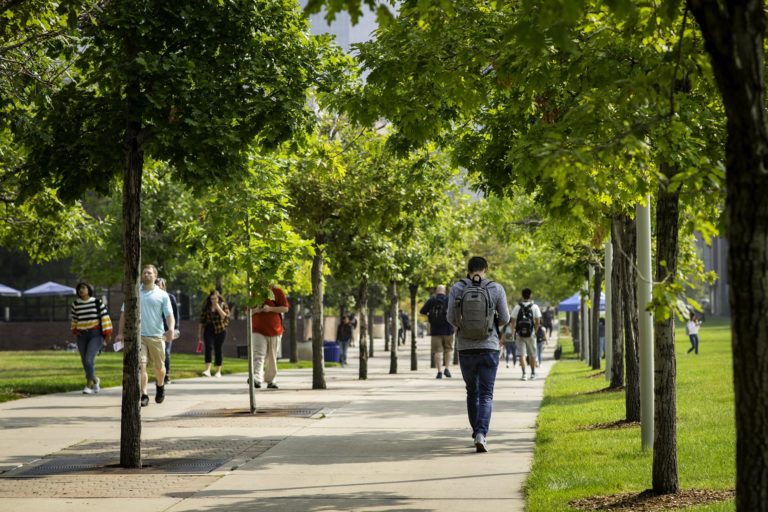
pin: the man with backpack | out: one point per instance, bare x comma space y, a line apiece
526, 318
440, 331
477, 307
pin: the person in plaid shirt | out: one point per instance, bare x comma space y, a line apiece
213, 330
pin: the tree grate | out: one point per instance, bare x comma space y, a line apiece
244, 413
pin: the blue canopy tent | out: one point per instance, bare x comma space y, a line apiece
7, 291
49, 289
573, 303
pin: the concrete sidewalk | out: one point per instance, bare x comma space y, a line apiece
393, 442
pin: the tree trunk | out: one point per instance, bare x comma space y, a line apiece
371, 319
293, 322
594, 353
628, 259
393, 312
734, 35
318, 363
414, 288
387, 329
130, 424
665, 479
617, 333
362, 301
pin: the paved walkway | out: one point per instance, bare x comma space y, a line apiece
393, 442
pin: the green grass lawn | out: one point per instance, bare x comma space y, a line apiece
571, 462
27, 373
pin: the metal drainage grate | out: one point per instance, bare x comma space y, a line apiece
244, 413
65, 465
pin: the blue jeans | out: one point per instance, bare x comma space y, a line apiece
479, 372
344, 348
511, 347
694, 343
539, 350
88, 344
168, 358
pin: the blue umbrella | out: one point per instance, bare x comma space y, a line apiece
50, 289
7, 291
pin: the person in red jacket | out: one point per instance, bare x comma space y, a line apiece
267, 330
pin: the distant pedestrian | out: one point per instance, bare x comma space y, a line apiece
548, 320
176, 332
477, 307
440, 331
267, 330
344, 338
526, 318
93, 328
154, 305
541, 340
692, 330
601, 337
212, 330
510, 344
405, 325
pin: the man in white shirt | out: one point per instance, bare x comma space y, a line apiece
525, 320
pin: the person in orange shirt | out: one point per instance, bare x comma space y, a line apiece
267, 331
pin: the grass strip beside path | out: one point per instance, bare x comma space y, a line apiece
39, 372
573, 459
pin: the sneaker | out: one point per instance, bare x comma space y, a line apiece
481, 445
447, 373
97, 385
160, 395
207, 373
218, 375
533, 376
166, 380
507, 365
144, 400
523, 377
272, 385
439, 375
88, 391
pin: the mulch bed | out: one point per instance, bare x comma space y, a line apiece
648, 501
612, 425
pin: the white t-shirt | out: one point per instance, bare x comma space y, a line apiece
535, 310
692, 327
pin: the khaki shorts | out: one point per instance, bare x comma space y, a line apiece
442, 343
152, 353
526, 346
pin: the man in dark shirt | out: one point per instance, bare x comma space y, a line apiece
440, 331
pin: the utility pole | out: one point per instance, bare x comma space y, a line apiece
645, 324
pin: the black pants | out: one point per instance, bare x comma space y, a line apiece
213, 342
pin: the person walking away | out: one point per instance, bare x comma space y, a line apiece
440, 331
548, 319
154, 304
692, 330
212, 330
405, 325
344, 338
267, 330
601, 337
93, 328
176, 332
477, 308
526, 318
541, 340
510, 344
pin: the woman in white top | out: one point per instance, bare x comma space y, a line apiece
692, 330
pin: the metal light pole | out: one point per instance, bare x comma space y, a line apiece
644, 293
608, 315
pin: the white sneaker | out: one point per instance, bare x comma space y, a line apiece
523, 377
207, 373
533, 376
88, 391
218, 375
481, 445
